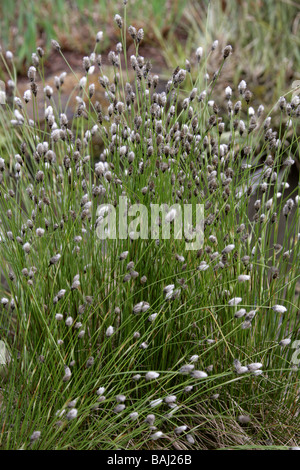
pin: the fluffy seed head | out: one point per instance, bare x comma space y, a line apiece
151, 375
243, 419
35, 436
72, 414
110, 331
285, 342
26, 247
55, 45
119, 21
235, 301
157, 435
279, 309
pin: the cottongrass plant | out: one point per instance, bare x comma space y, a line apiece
139, 343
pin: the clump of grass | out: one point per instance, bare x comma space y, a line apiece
139, 343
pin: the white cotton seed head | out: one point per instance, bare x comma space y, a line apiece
203, 266
285, 342
157, 435
26, 247
72, 414
151, 375
228, 249
186, 369
243, 419
198, 374
215, 396
67, 375
110, 331
169, 288
170, 216
199, 53
234, 301
69, 321
35, 436
170, 399
228, 92
156, 402
246, 325
180, 429
190, 439
214, 45
254, 366
194, 358
152, 317
40, 232
136, 377
242, 86
240, 313
54, 259
119, 408
99, 36
244, 278
27, 96
61, 293
150, 419
120, 398
279, 309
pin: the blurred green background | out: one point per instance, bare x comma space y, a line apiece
265, 34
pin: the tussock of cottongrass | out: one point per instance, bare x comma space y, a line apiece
131, 316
